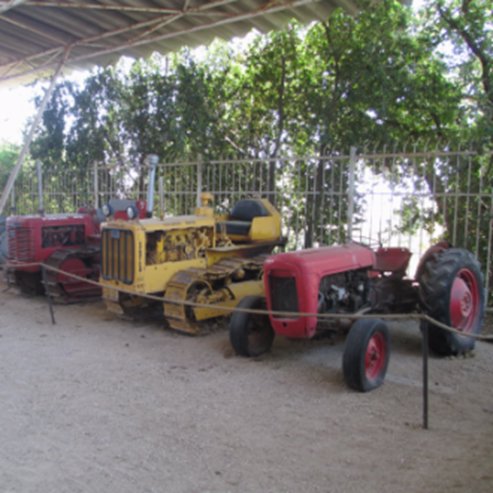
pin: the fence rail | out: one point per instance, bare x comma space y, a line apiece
408, 199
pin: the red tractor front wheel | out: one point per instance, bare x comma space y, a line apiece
366, 354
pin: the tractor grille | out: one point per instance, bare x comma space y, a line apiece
21, 248
283, 294
118, 255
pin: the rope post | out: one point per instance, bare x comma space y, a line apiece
50, 301
425, 351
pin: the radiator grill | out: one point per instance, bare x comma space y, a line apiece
283, 294
118, 254
21, 248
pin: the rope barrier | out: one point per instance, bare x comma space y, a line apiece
334, 316
282, 314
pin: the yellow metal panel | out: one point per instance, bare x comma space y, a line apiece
238, 291
156, 277
265, 228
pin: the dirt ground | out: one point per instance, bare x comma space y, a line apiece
96, 403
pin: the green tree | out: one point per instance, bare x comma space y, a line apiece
376, 77
371, 78
8, 158
462, 31
460, 34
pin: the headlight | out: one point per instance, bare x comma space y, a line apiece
131, 212
107, 210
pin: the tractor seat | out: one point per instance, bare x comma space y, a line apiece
242, 215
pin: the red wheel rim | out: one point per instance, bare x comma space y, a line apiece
375, 356
464, 301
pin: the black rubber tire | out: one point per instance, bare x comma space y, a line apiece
251, 334
435, 288
366, 354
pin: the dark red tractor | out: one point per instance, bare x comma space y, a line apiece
67, 242
354, 279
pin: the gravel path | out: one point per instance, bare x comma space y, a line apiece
96, 403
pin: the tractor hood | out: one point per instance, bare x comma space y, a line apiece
292, 283
326, 260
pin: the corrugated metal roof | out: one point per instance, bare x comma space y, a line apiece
36, 35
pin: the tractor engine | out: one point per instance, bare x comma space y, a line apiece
34, 238
346, 292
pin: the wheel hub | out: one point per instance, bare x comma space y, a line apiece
375, 356
462, 303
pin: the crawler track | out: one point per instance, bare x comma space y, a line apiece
207, 286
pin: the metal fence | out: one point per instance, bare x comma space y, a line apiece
410, 198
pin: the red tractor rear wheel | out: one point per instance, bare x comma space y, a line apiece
366, 354
451, 291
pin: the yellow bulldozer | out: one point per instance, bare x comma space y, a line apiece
202, 258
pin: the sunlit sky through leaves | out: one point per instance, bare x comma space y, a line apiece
17, 105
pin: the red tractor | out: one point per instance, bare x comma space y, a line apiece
354, 279
67, 242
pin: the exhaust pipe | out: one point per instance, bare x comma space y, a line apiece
152, 160
41, 207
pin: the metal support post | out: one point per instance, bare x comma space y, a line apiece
27, 142
424, 339
50, 300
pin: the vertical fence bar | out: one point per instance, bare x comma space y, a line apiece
161, 196
351, 192
467, 202
199, 180
488, 255
41, 207
331, 182
96, 184
456, 203
478, 213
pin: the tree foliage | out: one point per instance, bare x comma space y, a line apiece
378, 77
8, 158
463, 31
